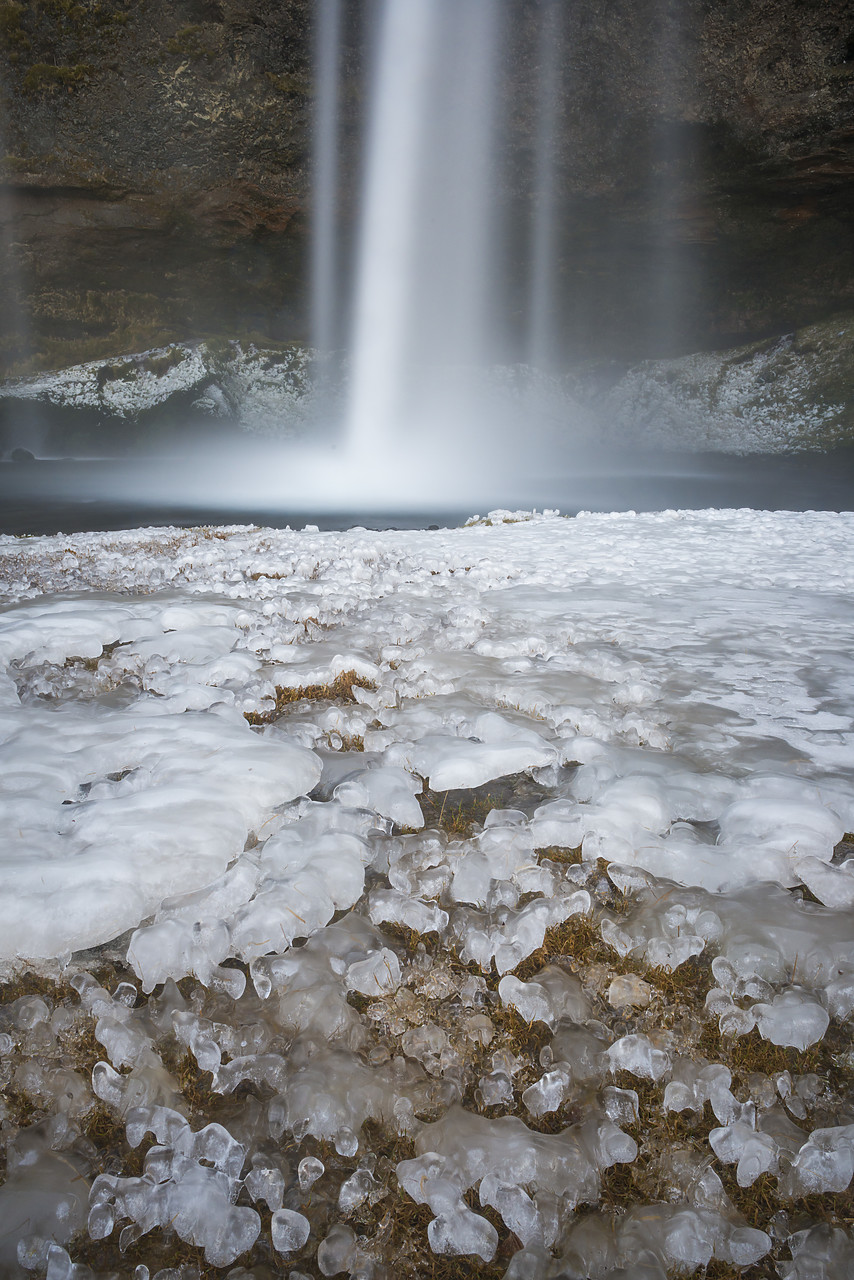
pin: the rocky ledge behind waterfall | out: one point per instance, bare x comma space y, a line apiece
783, 394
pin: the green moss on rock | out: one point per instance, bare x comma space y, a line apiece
13, 37
45, 76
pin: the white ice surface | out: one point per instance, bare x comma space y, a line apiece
104, 812
696, 664
680, 687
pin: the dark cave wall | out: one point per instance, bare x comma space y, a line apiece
156, 180
706, 168
156, 171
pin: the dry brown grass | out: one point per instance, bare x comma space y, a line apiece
404, 1235
750, 1053
457, 812
339, 690
195, 1085
106, 1131
157, 1250
564, 857
29, 983
577, 940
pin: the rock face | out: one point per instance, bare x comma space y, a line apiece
708, 193
156, 171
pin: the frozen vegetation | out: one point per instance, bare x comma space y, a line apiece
468, 902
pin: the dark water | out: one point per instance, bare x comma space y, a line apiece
73, 496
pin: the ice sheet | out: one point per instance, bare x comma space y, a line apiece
669, 693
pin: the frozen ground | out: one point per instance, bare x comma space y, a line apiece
477, 900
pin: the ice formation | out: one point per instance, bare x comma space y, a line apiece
446, 873
189, 1182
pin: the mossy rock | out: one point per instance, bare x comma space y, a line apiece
46, 77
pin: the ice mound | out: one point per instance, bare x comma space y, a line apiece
329, 1094
791, 1018
824, 1163
393, 907
189, 1182
761, 936
662, 1237
639, 1056
316, 860
514, 934
189, 653
51, 630
122, 810
551, 995
309, 986
529, 1178
693, 1083
580, 1051
823, 1251
651, 823
833, 886
628, 991
321, 663
754, 1152
42, 1199
290, 1230
386, 791
495, 748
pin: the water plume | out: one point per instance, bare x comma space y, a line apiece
420, 312
324, 248
541, 287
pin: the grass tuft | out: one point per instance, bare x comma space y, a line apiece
339, 690
457, 812
47, 77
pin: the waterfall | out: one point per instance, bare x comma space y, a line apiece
541, 286
427, 409
421, 309
670, 156
324, 249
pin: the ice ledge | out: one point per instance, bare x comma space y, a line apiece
259, 387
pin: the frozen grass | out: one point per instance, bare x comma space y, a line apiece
395, 1226
338, 690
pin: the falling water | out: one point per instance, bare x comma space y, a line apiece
422, 282
541, 294
669, 158
324, 272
